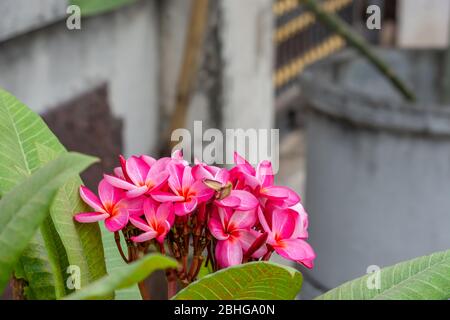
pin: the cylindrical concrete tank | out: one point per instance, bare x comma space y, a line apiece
378, 169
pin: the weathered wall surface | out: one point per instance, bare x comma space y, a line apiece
49, 66
234, 87
248, 55
378, 175
20, 16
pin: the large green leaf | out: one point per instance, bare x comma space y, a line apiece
125, 277
93, 7
21, 131
249, 281
114, 263
80, 240
26, 206
43, 264
26, 143
425, 277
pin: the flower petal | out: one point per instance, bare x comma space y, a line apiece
157, 180
200, 172
201, 191
118, 172
145, 236
140, 224
187, 179
216, 226
247, 200
263, 221
162, 196
184, 208
264, 174
242, 220
228, 252
301, 226
148, 160
134, 205
162, 234
247, 238
223, 176
176, 174
118, 183
243, 164
137, 170
158, 167
164, 212
275, 192
87, 217
137, 192
91, 199
109, 194
229, 202
118, 221
284, 222
297, 250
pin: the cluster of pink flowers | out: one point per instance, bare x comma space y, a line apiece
238, 214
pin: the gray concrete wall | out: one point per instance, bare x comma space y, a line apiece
378, 177
234, 88
20, 16
248, 55
53, 64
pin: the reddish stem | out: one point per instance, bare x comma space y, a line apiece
119, 247
171, 283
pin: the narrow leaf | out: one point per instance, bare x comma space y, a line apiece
249, 281
125, 277
26, 206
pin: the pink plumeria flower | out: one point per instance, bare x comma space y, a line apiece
177, 157
261, 181
286, 230
158, 221
236, 199
186, 193
110, 206
234, 234
140, 175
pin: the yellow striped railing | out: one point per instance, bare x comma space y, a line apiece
294, 26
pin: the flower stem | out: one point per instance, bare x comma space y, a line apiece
119, 247
171, 283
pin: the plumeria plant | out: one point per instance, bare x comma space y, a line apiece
211, 229
223, 216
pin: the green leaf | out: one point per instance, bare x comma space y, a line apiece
205, 270
94, 7
125, 277
42, 265
21, 130
26, 143
114, 263
81, 240
426, 277
26, 206
249, 281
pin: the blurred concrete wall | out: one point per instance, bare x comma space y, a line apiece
234, 87
136, 51
51, 65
